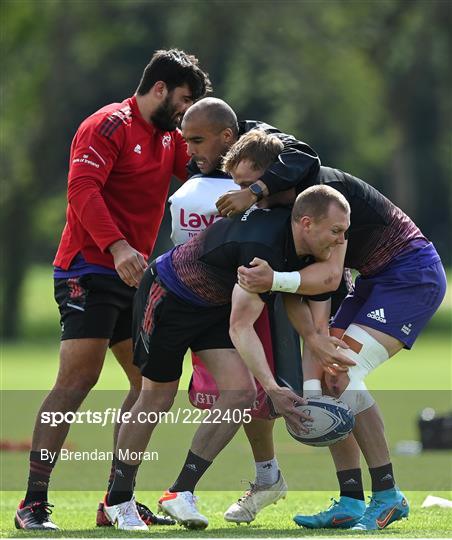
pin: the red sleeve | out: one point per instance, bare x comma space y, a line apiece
181, 157
93, 156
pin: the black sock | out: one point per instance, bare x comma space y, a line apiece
194, 467
112, 473
123, 482
351, 483
38, 478
382, 477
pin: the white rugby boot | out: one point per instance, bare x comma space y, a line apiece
255, 499
181, 506
125, 516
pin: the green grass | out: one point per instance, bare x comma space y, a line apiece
414, 379
75, 515
428, 366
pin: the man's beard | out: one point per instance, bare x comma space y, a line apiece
163, 118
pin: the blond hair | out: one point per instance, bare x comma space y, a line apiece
315, 202
255, 146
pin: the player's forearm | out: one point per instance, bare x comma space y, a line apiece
300, 316
250, 348
312, 370
319, 278
312, 280
93, 214
295, 163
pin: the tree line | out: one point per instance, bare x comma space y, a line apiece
367, 84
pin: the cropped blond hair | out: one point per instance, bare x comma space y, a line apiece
255, 146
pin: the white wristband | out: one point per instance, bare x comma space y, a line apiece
311, 388
286, 282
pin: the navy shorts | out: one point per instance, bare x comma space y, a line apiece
399, 300
95, 306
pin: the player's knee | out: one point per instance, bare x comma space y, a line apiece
239, 399
368, 354
160, 400
136, 384
81, 381
335, 384
133, 395
162, 405
357, 397
249, 396
81, 362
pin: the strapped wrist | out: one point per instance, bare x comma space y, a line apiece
286, 282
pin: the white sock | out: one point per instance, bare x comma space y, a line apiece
267, 472
311, 388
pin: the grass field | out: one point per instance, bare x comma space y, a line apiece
405, 385
76, 515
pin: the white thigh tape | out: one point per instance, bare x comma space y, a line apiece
372, 354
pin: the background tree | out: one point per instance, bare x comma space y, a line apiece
367, 84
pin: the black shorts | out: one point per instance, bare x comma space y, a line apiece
95, 306
165, 327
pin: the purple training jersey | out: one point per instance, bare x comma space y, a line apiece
379, 230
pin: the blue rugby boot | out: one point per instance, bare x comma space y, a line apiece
384, 508
342, 514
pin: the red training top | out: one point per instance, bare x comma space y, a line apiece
119, 174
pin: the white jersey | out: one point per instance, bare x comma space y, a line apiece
193, 206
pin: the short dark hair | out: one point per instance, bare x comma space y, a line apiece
175, 68
315, 202
255, 146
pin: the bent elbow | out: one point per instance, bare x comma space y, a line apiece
234, 331
336, 279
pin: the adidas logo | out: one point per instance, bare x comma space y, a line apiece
192, 467
350, 482
378, 315
137, 149
387, 477
41, 484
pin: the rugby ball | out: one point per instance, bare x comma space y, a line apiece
332, 421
